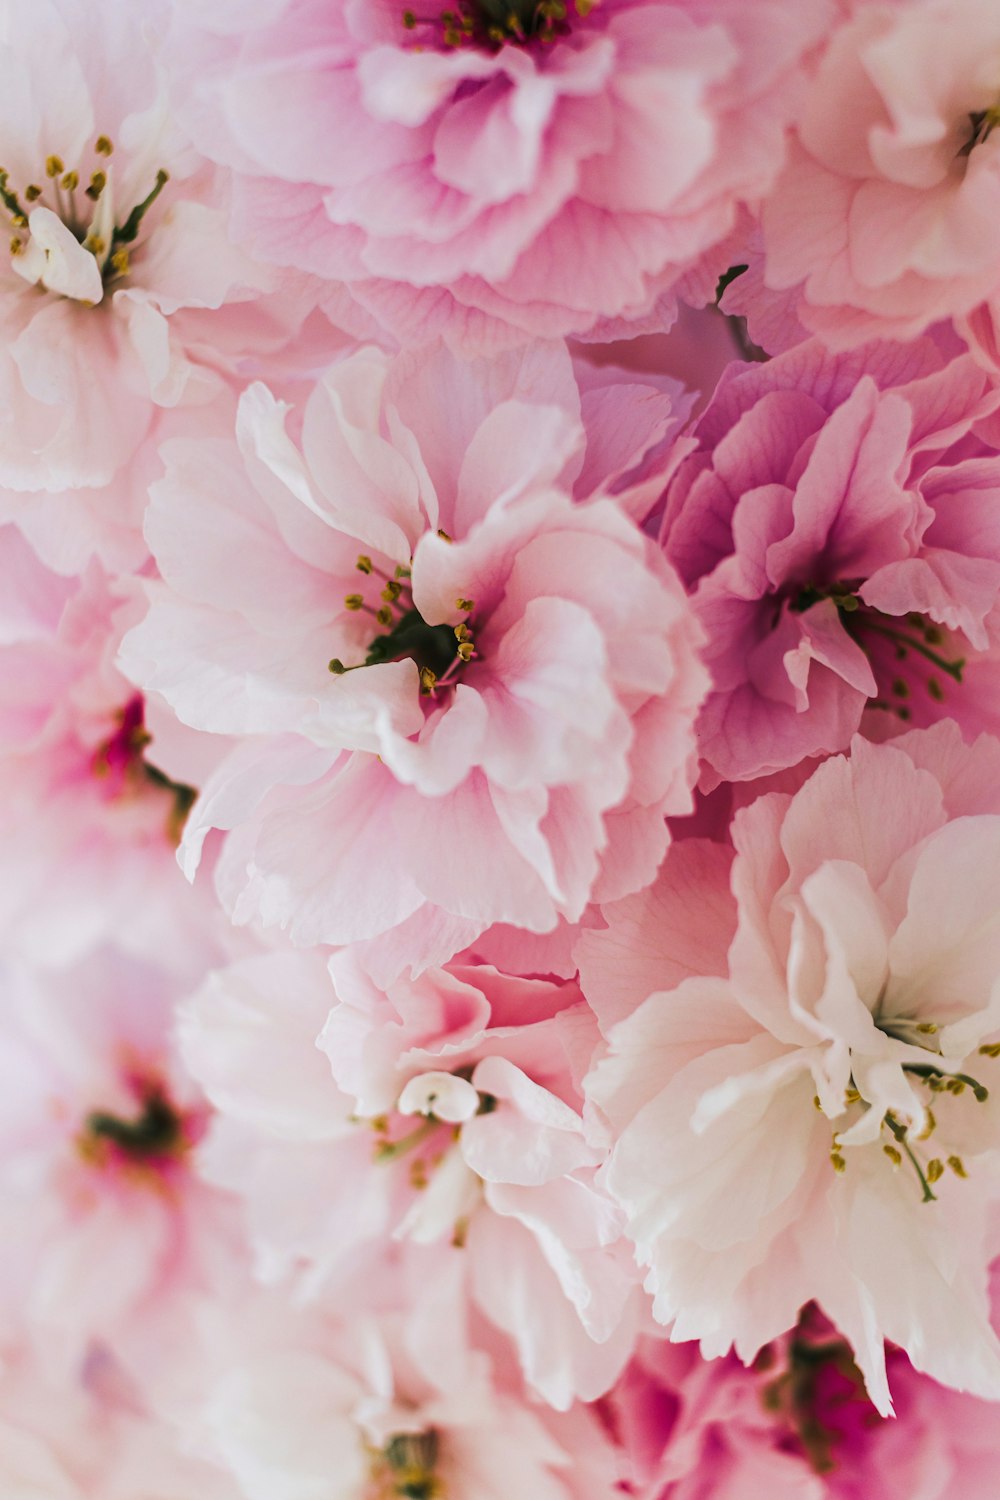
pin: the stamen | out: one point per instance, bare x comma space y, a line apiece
906, 643
899, 1131
953, 1083
392, 1150
128, 231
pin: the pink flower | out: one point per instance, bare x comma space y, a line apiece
106, 1231
696, 1429
835, 524
884, 221
799, 1124
401, 1399
511, 171
452, 1117
90, 1434
437, 655
88, 821
121, 293
938, 1441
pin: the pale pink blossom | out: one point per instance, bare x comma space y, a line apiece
446, 645
799, 1125
507, 172
401, 1399
106, 1231
88, 821
89, 1434
884, 221
835, 524
445, 1113
121, 293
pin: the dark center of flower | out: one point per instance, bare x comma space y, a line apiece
407, 1463
900, 1141
439, 651
496, 23
899, 647
154, 1133
817, 1389
982, 123
121, 763
86, 210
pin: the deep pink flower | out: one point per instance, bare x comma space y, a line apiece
837, 527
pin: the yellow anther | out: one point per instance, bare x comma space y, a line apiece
935, 1169
354, 601
444, 536
428, 680
957, 1166
460, 1234
816, 1103
851, 1096
54, 166
409, 20
364, 563
392, 591
402, 572
894, 1156
465, 650
465, 605
837, 1162
929, 1128
120, 262
32, 192
418, 1174
384, 615
379, 1123
94, 244
103, 146
928, 1028
70, 181
336, 666
955, 1086
98, 182
990, 1049
463, 633
16, 246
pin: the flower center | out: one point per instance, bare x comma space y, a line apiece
156, 1136
404, 1470
439, 651
899, 648
900, 1138
493, 24
982, 123
87, 211
818, 1390
121, 764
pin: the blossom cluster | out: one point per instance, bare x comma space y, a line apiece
500, 743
